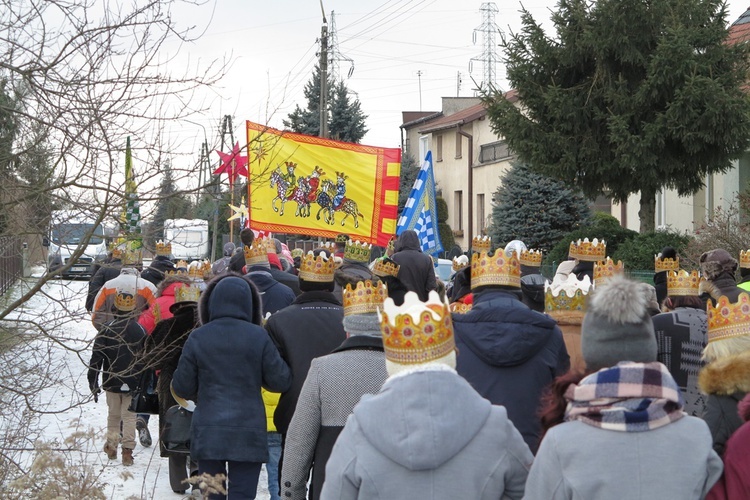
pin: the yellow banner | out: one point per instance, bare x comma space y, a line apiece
300, 184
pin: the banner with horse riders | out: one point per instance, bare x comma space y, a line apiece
302, 184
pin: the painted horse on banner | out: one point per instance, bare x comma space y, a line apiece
282, 189
331, 199
300, 197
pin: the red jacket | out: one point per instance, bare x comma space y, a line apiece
735, 482
159, 310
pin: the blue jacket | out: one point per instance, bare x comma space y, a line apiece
274, 295
223, 365
510, 354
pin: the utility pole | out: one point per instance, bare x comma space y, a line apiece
227, 130
419, 77
335, 54
323, 75
458, 83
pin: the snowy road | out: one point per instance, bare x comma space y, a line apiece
69, 409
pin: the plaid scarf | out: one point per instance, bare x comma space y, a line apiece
628, 397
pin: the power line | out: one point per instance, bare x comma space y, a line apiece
335, 56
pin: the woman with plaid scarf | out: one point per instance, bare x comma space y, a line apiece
620, 431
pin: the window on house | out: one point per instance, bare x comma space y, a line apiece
710, 197
458, 209
439, 148
481, 222
424, 146
494, 152
458, 145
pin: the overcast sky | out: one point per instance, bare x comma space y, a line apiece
272, 46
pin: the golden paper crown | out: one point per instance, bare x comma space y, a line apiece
195, 270
416, 332
460, 307
355, 250
565, 299
391, 244
681, 283
531, 258
163, 248
729, 319
176, 272
206, 267
187, 293
133, 250
297, 252
666, 264
124, 301
745, 259
270, 244
364, 298
606, 269
498, 269
256, 254
385, 267
481, 244
342, 238
318, 269
181, 264
590, 251
460, 262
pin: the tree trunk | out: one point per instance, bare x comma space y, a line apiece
647, 211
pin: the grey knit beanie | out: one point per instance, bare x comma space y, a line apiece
617, 325
362, 324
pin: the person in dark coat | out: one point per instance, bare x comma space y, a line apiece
718, 268
355, 267
386, 270
660, 276
223, 366
508, 352
162, 353
321, 314
681, 336
116, 349
157, 270
416, 271
334, 385
107, 271
284, 277
735, 482
275, 295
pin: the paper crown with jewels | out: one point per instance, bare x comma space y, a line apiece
683, 284
391, 244
460, 262
729, 319
257, 254
565, 299
187, 293
133, 252
364, 298
297, 252
163, 248
481, 244
181, 264
531, 258
745, 259
177, 271
605, 269
355, 250
385, 267
317, 269
500, 268
342, 238
124, 301
460, 307
270, 244
416, 332
667, 264
589, 251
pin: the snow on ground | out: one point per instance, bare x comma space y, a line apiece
68, 407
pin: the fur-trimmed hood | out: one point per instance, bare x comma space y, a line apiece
726, 376
231, 299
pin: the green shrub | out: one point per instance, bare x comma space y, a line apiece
442, 209
603, 226
638, 252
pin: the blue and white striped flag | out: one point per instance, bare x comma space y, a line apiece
420, 212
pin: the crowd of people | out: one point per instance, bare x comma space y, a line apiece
358, 377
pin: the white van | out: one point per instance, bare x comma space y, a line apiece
189, 238
68, 231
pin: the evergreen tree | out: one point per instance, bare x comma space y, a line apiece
171, 203
446, 233
409, 172
346, 121
629, 96
535, 209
